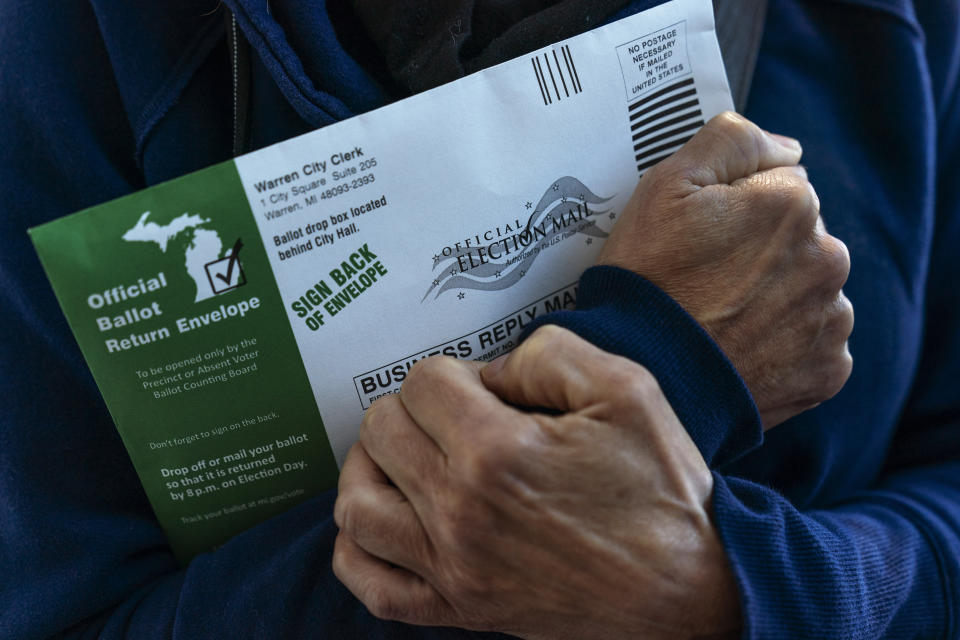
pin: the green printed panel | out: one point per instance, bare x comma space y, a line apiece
171, 297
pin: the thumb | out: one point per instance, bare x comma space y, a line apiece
730, 147
557, 370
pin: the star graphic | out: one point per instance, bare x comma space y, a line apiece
563, 199
436, 283
497, 274
523, 272
461, 295
613, 215
581, 197
436, 258
453, 271
556, 186
528, 205
589, 240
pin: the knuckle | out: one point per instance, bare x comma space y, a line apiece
745, 136
346, 512
784, 195
376, 414
546, 339
339, 561
841, 255
376, 418
836, 374
540, 346
428, 373
801, 203
847, 312
336, 562
842, 319
834, 258
431, 367
638, 391
340, 509
635, 380
731, 124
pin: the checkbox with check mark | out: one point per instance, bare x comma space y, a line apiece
226, 273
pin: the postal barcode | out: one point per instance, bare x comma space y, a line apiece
663, 121
556, 75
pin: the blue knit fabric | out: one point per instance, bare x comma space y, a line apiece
878, 564
841, 523
630, 316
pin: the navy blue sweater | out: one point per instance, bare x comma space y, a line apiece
843, 522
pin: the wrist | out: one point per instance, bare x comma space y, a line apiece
712, 598
690, 587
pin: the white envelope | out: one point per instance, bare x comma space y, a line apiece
474, 207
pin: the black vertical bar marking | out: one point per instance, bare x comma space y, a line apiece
560, 73
576, 76
552, 79
566, 59
549, 99
539, 82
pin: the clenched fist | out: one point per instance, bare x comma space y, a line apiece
730, 227
458, 509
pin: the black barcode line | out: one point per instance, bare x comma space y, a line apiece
562, 75
545, 86
562, 81
663, 121
533, 63
662, 103
665, 112
646, 165
668, 134
566, 60
573, 67
662, 92
552, 79
696, 113
647, 153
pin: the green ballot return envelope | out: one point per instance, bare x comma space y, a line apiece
239, 320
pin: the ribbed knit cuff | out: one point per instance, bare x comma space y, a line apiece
864, 569
623, 313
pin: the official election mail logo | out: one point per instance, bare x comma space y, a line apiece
500, 257
200, 249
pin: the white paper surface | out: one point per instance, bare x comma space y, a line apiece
548, 146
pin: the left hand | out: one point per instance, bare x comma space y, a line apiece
457, 509
729, 226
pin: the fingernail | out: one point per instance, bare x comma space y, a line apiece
785, 141
494, 366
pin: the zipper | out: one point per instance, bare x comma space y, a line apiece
239, 52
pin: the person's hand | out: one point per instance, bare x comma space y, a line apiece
730, 228
457, 509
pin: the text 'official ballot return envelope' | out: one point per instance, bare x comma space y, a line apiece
239, 320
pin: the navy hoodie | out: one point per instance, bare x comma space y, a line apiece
843, 522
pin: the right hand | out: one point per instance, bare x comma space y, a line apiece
730, 227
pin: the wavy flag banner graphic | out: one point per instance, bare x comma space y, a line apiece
563, 210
